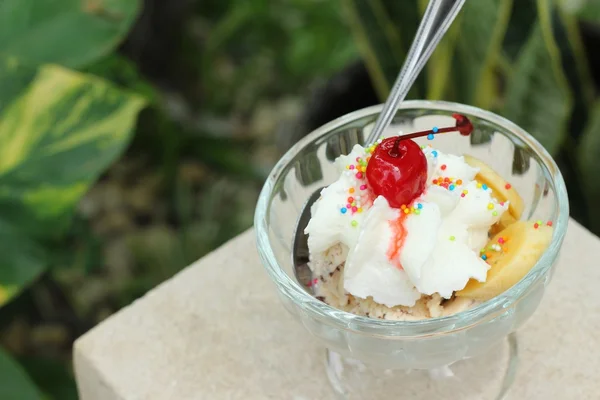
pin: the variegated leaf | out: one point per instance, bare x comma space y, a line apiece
58, 131
73, 33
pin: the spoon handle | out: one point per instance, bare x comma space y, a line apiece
437, 19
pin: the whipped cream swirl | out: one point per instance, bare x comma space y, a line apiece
397, 255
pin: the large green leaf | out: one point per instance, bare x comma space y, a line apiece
482, 29
538, 97
14, 382
589, 163
57, 135
58, 131
68, 32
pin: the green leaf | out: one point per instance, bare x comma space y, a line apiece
124, 73
538, 97
57, 134
383, 38
482, 29
22, 262
575, 66
14, 382
69, 32
588, 10
521, 21
589, 163
51, 377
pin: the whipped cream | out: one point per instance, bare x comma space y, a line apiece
395, 256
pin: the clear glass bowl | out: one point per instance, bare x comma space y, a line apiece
470, 353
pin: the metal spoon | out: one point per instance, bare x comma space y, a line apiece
438, 17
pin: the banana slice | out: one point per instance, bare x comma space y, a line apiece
506, 219
501, 189
511, 254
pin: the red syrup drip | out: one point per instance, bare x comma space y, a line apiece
398, 238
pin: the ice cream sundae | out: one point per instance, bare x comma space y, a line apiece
408, 232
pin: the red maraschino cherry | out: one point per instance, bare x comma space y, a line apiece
397, 169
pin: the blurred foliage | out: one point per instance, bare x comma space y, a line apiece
59, 130
209, 75
277, 45
523, 60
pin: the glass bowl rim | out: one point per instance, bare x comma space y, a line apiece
348, 321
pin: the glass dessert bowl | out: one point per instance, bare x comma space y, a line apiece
468, 353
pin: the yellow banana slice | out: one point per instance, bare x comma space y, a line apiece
511, 254
506, 219
501, 189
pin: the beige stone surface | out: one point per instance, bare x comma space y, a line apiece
217, 331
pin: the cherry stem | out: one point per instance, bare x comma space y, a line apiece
395, 151
425, 133
463, 126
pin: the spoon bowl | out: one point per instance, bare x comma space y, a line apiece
300, 252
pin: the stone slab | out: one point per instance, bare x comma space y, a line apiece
217, 331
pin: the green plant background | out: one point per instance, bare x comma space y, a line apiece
123, 159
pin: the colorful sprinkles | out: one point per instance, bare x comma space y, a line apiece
539, 223
355, 204
357, 169
446, 182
